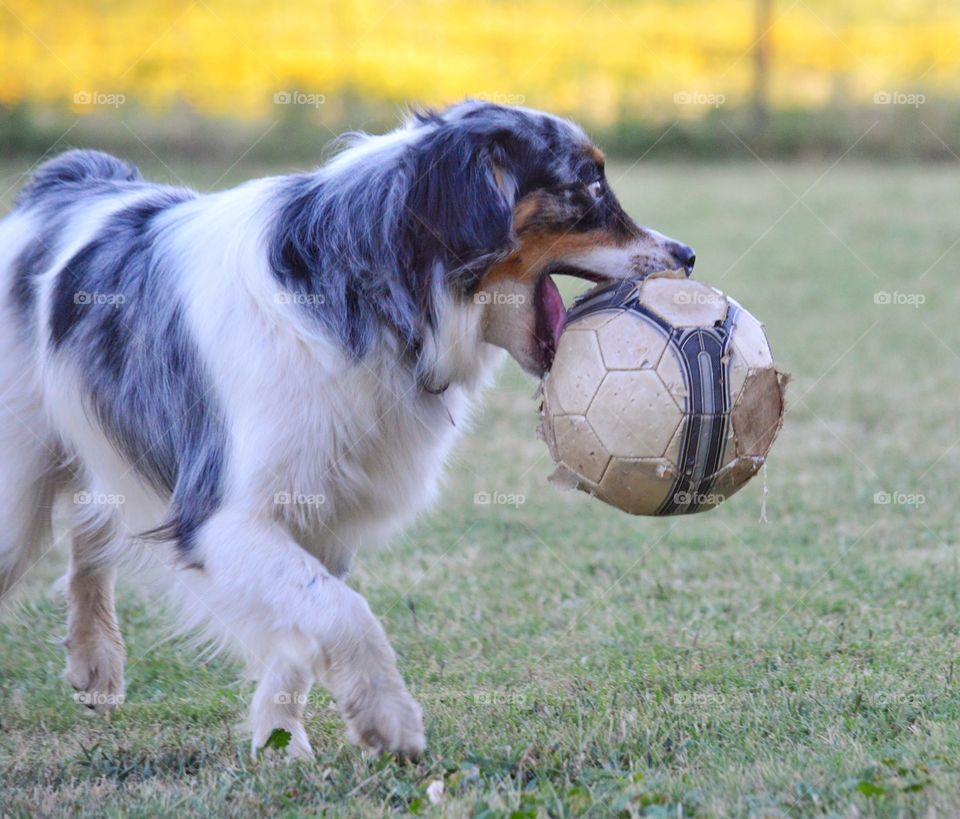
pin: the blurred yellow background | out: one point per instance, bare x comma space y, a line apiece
593, 58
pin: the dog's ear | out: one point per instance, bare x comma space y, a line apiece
460, 202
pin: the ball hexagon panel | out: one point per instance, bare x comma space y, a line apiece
577, 371
551, 401
759, 413
738, 371
633, 414
637, 485
729, 445
751, 342
594, 321
672, 452
628, 342
684, 303
732, 477
578, 447
671, 374
546, 430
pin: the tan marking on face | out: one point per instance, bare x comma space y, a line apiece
596, 155
538, 244
528, 209
500, 180
538, 249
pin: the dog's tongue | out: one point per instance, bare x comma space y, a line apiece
554, 308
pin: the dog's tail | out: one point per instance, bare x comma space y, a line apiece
73, 171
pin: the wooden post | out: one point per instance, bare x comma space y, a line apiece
761, 66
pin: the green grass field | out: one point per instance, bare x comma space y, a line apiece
574, 661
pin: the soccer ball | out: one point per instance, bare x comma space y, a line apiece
663, 397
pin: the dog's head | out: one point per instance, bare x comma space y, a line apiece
505, 198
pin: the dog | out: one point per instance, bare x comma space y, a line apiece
242, 389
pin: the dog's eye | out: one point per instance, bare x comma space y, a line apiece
597, 188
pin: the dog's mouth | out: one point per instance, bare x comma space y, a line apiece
550, 310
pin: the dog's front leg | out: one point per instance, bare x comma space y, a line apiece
280, 701
293, 619
360, 670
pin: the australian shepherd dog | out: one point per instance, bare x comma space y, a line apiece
243, 389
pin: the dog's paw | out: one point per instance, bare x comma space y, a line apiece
386, 720
95, 671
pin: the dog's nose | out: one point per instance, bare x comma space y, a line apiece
685, 256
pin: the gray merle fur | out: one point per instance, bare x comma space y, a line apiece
373, 246
114, 308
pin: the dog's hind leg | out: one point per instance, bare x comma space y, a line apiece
28, 488
95, 651
29, 467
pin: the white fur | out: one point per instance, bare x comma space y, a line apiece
637, 257
361, 442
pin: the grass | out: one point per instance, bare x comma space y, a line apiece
572, 660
